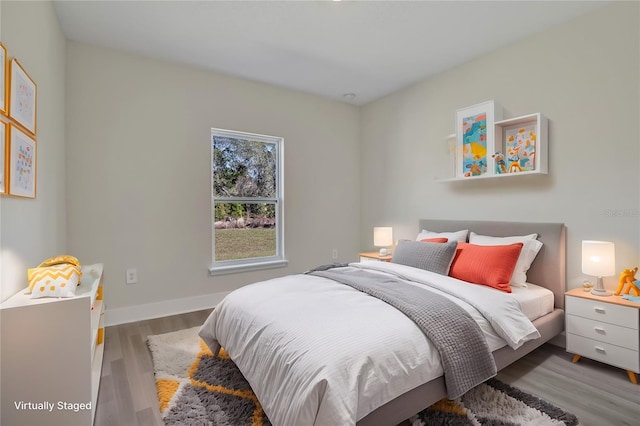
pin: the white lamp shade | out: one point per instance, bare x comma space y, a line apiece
382, 236
598, 258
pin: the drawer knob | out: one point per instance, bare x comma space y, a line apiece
601, 350
599, 330
599, 310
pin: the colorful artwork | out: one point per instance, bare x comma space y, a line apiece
474, 144
475, 139
22, 106
520, 147
22, 164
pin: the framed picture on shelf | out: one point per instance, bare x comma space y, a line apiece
3, 151
522, 143
3, 79
475, 138
520, 148
22, 97
22, 163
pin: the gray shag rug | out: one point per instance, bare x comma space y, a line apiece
494, 403
197, 389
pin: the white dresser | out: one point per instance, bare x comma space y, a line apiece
51, 355
605, 329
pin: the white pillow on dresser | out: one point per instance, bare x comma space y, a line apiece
460, 236
530, 248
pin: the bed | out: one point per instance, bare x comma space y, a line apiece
320, 352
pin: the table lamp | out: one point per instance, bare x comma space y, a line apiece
383, 237
599, 260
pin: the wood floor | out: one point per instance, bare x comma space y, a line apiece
598, 394
127, 395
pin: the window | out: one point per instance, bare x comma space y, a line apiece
246, 200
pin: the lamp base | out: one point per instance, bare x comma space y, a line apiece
599, 290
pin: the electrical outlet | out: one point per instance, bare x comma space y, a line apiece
132, 276
334, 254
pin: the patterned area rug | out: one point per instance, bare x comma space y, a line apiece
494, 403
197, 389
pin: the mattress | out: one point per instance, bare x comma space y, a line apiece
535, 301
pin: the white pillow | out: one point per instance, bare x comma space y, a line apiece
451, 236
530, 249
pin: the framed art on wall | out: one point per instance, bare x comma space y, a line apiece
3, 151
3, 79
22, 97
520, 148
475, 138
524, 142
21, 163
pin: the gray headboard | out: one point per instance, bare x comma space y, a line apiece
547, 270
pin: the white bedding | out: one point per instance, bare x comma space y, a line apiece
317, 352
535, 301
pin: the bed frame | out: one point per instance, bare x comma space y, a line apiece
548, 270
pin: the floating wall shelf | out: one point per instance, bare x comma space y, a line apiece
523, 143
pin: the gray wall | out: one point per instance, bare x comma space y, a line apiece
32, 230
139, 175
584, 76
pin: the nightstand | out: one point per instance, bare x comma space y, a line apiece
606, 329
374, 256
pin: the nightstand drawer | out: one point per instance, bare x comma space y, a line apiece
602, 311
604, 352
603, 332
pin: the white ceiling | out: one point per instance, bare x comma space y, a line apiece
328, 48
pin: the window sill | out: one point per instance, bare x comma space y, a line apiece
247, 267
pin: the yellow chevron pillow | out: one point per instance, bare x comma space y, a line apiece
53, 281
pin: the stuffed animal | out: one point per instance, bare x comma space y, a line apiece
501, 166
514, 159
628, 282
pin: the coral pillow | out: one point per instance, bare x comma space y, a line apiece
530, 250
492, 266
434, 240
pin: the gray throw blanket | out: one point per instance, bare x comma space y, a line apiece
463, 349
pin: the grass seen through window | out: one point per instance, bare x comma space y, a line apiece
244, 243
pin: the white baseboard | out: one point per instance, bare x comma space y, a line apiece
161, 309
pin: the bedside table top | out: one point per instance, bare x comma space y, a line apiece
375, 255
617, 300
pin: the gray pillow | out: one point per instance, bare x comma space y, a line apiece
434, 257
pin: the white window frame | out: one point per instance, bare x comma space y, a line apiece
255, 263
